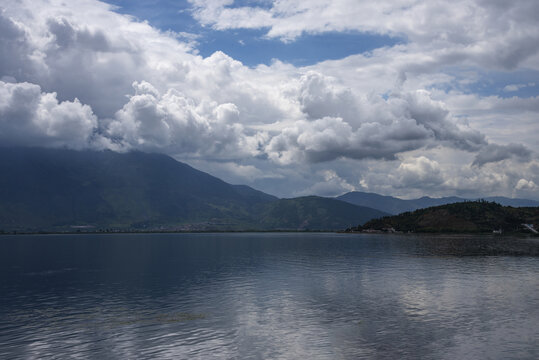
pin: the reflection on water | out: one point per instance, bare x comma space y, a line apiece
325, 296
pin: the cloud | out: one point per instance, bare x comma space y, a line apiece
434, 116
525, 188
516, 87
356, 128
428, 172
177, 124
79, 75
331, 184
525, 184
495, 153
30, 117
492, 33
85, 50
235, 172
18, 58
321, 96
420, 171
66, 36
314, 117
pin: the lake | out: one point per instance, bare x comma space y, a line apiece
268, 296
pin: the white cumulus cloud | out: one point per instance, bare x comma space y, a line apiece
78, 74
32, 117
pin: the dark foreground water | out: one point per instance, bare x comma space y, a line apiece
268, 296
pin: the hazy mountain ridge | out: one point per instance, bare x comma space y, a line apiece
57, 189
396, 206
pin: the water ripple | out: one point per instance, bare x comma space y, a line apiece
278, 296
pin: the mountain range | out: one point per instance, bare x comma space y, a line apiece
68, 190
393, 205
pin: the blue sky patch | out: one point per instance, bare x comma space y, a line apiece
251, 47
523, 83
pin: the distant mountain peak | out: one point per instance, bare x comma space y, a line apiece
395, 205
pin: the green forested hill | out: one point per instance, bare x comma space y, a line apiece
58, 190
463, 217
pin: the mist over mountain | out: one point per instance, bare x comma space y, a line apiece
58, 189
395, 205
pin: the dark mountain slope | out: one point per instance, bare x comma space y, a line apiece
43, 188
314, 213
464, 217
58, 189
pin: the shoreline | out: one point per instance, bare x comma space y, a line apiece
436, 234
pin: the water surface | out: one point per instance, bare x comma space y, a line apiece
268, 296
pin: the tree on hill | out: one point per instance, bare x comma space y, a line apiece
464, 217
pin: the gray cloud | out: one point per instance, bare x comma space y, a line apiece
322, 119
436, 118
380, 130
471, 32
30, 117
67, 36
16, 51
320, 98
418, 172
494, 153
77, 74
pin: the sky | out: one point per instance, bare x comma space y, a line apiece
406, 98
